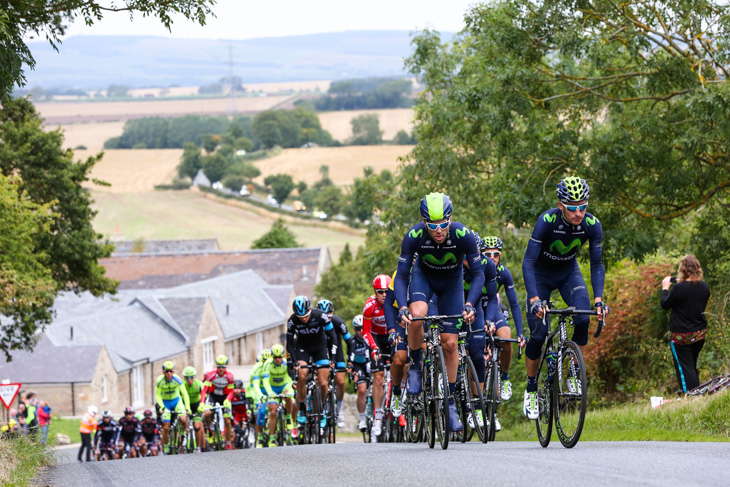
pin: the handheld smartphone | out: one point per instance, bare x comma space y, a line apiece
673, 280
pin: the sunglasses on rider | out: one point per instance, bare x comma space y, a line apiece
496, 253
576, 207
436, 226
381, 291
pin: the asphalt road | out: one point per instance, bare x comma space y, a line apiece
501, 463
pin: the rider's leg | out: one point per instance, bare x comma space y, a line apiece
378, 381
272, 419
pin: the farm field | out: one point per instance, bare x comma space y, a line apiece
87, 111
187, 214
91, 135
345, 163
132, 170
391, 121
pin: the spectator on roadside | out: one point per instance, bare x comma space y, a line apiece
88, 426
11, 429
687, 323
31, 416
21, 416
44, 419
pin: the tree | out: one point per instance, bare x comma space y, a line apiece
234, 182
330, 200
269, 134
402, 138
281, 186
190, 162
116, 91
278, 237
366, 130
246, 170
214, 166
47, 181
210, 142
20, 21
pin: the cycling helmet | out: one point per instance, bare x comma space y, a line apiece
435, 207
357, 322
491, 242
148, 413
277, 350
572, 189
93, 410
382, 281
326, 306
259, 358
266, 354
128, 410
189, 372
301, 306
238, 384
221, 360
169, 365
106, 414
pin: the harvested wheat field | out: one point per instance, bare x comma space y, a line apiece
132, 171
90, 135
345, 163
83, 111
187, 214
391, 121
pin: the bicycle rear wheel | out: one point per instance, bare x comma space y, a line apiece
544, 422
281, 431
331, 431
570, 394
414, 418
491, 398
440, 391
316, 415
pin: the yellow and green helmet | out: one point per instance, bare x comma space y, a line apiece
435, 207
572, 189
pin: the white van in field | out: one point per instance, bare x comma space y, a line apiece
271, 200
244, 192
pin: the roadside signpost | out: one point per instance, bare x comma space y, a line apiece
8, 392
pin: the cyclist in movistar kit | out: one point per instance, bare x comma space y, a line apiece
491, 247
550, 263
442, 246
195, 391
340, 366
172, 397
276, 381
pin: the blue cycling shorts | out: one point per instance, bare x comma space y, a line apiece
448, 288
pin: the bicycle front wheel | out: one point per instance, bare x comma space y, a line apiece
491, 398
475, 400
570, 394
440, 391
414, 418
544, 422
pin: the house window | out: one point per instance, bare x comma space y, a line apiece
259, 343
208, 355
103, 388
138, 386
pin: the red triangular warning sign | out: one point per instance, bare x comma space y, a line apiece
8, 393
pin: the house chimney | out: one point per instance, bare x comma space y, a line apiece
72, 333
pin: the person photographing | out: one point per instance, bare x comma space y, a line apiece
687, 323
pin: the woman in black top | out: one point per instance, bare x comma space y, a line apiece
687, 323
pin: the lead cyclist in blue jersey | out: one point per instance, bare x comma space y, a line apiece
550, 263
442, 246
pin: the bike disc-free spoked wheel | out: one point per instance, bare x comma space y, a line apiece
491, 398
544, 422
570, 395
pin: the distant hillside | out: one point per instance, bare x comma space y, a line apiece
95, 62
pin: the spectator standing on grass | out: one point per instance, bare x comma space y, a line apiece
21, 416
44, 419
31, 416
88, 426
687, 323
12, 428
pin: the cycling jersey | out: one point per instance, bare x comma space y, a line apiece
342, 334
107, 432
194, 391
373, 320
148, 427
311, 339
168, 393
217, 388
129, 429
239, 407
254, 384
504, 278
554, 245
276, 378
488, 292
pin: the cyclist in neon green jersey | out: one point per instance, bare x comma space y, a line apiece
171, 396
258, 391
276, 380
194, 387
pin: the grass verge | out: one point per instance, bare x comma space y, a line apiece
690, 419
21, 459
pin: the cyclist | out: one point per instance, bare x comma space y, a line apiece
313, 331
257, 394
442, 245
239, 409
375, 331
399, 363
105, 439
359, 365
491, 247
194, 387
172, 398
149, 437
276, 381
129, 432
550, 263
218, 389
340, 366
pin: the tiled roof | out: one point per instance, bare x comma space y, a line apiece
300, 267
125, 247
49, 363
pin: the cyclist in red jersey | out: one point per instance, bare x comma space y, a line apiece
239, 406
218, 389
375, 332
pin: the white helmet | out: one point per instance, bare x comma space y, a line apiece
357, 322
93, 409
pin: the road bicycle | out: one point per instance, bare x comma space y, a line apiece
561, 381
330, 403
216, 428
369, 409
282, 436
493, 379
312, 430
468, 395
177, 436
716, 384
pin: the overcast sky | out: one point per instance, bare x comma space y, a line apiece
245, 19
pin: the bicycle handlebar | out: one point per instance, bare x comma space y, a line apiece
436, 317
572, 311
